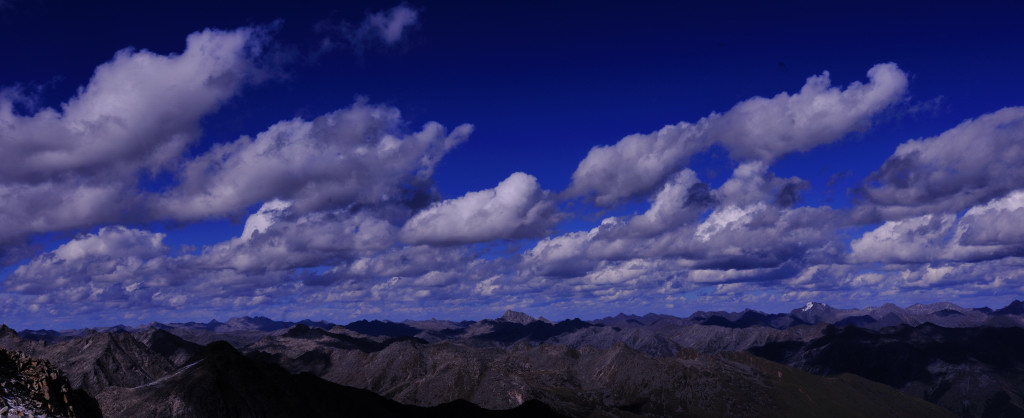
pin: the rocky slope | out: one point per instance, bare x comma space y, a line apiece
651, 365
34, 387
219, 382
970, 371
97, 360
617, 381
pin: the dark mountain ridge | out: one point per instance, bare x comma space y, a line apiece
220, 382
970, 371
620, 366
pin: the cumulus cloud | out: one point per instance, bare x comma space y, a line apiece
739, 226
516, 208
765, 129
120, 267
78, 165
353, 155
683, 198
751, 183
999, 222
105, 263
912, 240
277, 239
970, 164
61, 204
755, 129
637, 164
984, 232
139, 110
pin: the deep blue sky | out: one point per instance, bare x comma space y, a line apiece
843, 218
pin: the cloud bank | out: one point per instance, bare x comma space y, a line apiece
341, 214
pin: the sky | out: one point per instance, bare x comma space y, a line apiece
186, 161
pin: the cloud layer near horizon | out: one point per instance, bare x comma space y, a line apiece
349, 220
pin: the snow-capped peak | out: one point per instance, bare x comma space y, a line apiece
808, 306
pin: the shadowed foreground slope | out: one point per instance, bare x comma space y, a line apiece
221, 382
971, 371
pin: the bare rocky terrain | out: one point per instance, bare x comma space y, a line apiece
932, 360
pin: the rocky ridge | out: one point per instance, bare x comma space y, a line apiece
579, 368
31, 387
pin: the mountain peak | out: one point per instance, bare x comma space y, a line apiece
1014, 308
813, 305
517, 317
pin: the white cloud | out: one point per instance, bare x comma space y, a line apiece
353, 155
752, 183
723, 219
106, 263
516, 208
139, 110
912, 240
275, 239
766, 129
985, 232
682, 199
999, 222
263, 218
60, 205
755, 129
748, 228
976, 161
113, 241
78, 166
637, 164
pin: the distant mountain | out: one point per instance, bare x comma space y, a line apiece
510, 332
247, 323
170, 346
815, 312
383, 328
1014, 308
517, 317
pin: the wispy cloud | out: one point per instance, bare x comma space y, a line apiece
387, 28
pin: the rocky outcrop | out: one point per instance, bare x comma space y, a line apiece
97, 360
32, 387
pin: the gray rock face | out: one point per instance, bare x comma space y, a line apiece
97, 360
35, 387
517, 317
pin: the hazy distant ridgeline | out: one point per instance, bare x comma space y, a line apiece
815, 360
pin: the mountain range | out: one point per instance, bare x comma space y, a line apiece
937, 359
